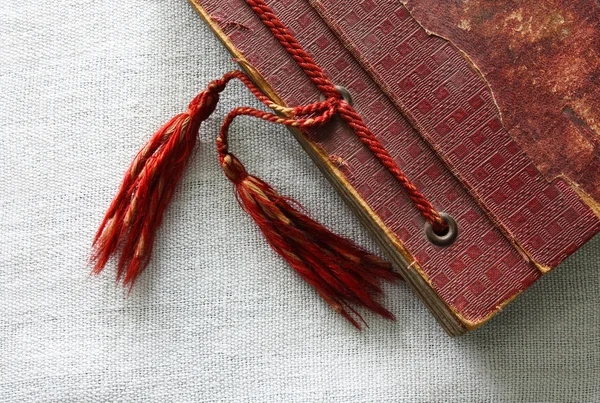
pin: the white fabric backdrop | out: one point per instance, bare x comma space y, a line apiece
217, 317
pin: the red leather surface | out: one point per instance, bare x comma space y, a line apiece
552, 43
482, 269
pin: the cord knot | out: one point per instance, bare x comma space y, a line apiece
204, 104
233, 168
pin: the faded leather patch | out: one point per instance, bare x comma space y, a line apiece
542, 62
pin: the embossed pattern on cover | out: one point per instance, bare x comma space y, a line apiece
542, 63
483, 269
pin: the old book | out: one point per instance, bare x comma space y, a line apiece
492, 110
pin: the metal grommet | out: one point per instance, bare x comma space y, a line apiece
344, 93
446, 239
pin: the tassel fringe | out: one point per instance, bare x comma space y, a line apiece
136, 212
341, 272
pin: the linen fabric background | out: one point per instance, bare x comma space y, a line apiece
217, 316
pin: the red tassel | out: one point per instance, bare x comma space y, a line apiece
340, 271
136, 212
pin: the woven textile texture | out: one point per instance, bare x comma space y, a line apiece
217, 316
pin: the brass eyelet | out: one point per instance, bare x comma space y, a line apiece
346, 96
446, 239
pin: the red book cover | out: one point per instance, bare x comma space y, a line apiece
459, 96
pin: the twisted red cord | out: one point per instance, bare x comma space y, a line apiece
353, 119
293, 47
327, 109
420, 201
